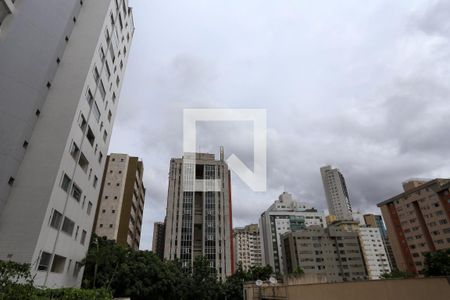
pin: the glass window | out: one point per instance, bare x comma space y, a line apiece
56, 219
76, 192
44, 262
58, 264
96, 112
68, 226
65, 184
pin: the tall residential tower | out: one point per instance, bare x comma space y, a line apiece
62, 65
198, 215
336, 193
121, 202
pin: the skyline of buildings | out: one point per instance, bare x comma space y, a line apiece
120, 206
60, 82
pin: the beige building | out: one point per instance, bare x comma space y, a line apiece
247, 246
198, 215
332, 252
418, 221
336, 193
121, 202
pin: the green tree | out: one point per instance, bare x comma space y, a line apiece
437, 263
297, 272
396, 274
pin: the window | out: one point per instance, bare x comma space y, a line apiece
83, 163
76, 192
90, 136
109, 116
82, 122
102, 90
114, 97
58, 264
100, 157
83, 237
96, 111
74, 151
102, 53
95, 181
76, 269
44, 262
105, 136
96, 74
89, 208
108, 70
68, 226
56, 219
111, 52
117, 80
89, 97
65, 184
76, 232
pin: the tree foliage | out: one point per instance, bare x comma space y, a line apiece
396, 274
142, 275
437, 263
16, 283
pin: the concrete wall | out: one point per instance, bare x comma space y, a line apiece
396, 289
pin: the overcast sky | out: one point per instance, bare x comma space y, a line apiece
361, 85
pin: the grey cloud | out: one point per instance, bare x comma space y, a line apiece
340, 87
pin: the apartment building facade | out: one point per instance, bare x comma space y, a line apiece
198, 215
331, 252
121, 202
336, 193
418, 221
61, 72
159, 231
376, 221
247, 246
285, 214
374, 252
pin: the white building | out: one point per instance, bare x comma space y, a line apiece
62, 65
286, 214
336, 193
198, 215
374, 252
247, 245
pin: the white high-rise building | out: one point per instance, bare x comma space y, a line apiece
336, 193
62, 65
286, 214
247, 246
198, 215
374, 252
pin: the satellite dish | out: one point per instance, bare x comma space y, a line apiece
273, 280
259, 282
